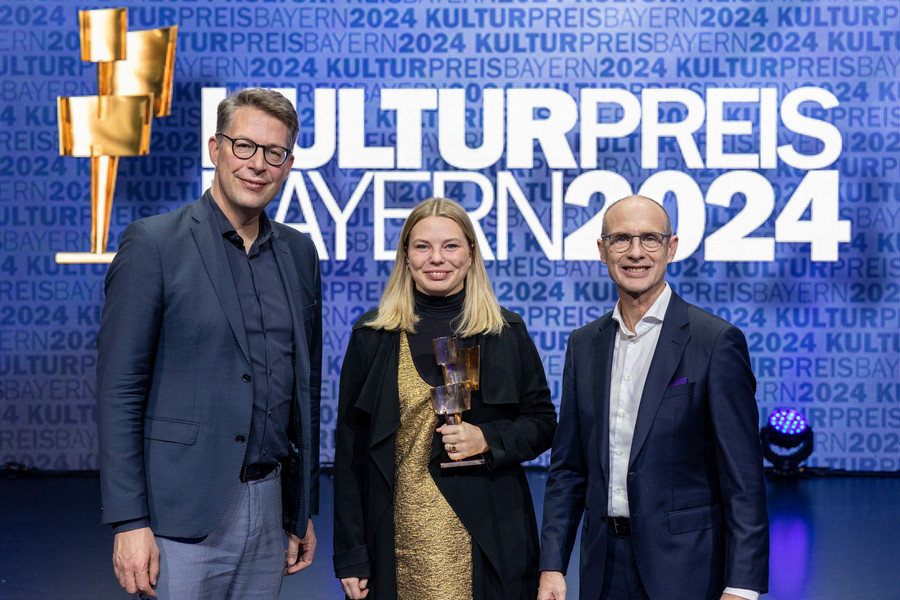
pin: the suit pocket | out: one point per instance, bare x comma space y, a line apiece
694, 519
679, 391
167, 430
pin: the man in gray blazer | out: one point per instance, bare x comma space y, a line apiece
209, 376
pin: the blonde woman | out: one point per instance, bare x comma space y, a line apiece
404, 527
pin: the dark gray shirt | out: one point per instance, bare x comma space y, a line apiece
267, 319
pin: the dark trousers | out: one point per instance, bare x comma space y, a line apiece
621, 581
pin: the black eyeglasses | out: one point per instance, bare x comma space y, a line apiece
620, 242
244, 148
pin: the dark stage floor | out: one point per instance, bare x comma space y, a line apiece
833, 538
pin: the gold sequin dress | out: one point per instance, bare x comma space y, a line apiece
433, 550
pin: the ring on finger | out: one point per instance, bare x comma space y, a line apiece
453, 448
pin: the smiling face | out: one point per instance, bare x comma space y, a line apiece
639, 275
438, 256
242, 187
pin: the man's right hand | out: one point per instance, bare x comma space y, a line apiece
136, 560
355, 588
552, 587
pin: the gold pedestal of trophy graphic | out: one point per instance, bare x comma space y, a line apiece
461, 376
135, 73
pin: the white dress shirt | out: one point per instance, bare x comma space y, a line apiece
631, 364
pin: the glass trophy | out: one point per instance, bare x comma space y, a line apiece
461, 375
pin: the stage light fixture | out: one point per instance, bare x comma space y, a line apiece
787, 440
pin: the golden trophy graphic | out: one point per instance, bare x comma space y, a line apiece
135, 71
461, 375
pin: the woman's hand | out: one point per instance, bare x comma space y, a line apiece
463, 440
355, 587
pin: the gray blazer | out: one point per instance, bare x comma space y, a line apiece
174, 391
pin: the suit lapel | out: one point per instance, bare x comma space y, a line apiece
603, 344
212, 253
288, 271
672, 342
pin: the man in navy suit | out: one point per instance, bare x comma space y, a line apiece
658, 441
210, 351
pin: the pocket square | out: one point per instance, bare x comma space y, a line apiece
679, 381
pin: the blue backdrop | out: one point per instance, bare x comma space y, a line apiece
769, 130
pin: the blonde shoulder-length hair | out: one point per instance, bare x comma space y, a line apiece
481, 311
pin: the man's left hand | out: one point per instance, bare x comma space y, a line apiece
731, 597
300, 551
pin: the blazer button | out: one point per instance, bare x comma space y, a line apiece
240, 439
246, 377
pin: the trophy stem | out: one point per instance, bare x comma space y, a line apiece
103, 186
461, 374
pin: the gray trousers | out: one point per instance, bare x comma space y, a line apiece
242, 559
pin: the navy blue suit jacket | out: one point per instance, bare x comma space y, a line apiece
174, 388
695, 482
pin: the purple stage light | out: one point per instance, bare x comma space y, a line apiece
787, 440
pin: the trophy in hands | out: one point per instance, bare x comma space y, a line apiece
461, 367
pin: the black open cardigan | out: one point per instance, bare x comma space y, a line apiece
518, 420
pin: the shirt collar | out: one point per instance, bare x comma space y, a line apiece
230, 233
655, 314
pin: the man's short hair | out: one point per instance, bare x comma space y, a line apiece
268, 101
